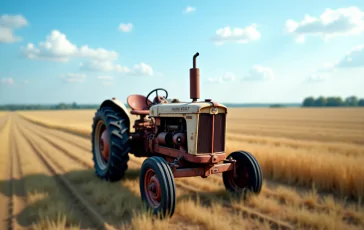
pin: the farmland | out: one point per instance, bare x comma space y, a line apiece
311, 159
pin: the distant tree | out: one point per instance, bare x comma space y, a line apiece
351, 101
309, 101
361, 102
74, 105
334, 101
13, 107
62, 106
320, 101
276, 106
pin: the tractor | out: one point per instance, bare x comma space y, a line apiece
178, 139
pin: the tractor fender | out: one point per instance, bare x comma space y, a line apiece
118, 106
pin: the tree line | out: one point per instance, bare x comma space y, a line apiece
307, 102
332, 101
60, 106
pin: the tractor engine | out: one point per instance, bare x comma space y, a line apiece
194, 128
171, 132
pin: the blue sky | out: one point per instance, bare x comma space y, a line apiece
250, 51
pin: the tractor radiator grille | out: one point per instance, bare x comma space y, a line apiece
208, 123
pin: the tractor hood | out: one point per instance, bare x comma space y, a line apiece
183, 107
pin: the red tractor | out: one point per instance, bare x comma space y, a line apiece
180, 139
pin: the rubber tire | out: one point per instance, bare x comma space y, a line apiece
119, 144
167, 184
254, 170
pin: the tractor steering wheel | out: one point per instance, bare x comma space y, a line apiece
157, 99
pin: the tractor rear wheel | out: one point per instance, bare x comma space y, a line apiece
110, 144
157, 186
249, 176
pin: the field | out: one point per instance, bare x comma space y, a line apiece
311, 159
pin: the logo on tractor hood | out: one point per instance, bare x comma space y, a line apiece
214, 110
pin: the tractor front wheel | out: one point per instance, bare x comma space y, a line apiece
157, 186
248, 176
110, 144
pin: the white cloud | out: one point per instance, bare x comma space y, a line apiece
13, 21
353, 59
73, 77
227, 77
238, 35
122, 69
259, 73
100, 53
98, 66
141, 69
7, 81
125, 27
8, 23
331, 23
189, 9
57, 47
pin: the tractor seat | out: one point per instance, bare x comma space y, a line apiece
137, 104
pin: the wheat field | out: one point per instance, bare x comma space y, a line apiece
311, 160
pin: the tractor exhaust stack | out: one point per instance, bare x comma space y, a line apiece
195, 80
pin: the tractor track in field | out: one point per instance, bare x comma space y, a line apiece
49, 135
55, 169
75, 140
246, 211
3, 121
17, 195
13, 199
61, 148
271, 185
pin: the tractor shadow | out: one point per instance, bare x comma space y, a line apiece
118, 202
46, 200
208, 198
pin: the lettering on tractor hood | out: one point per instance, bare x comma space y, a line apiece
179, 108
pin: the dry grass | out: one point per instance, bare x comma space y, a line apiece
4, 172
4, 150
323, 124
47, 207
119, 202
294, 145
291, 156
307, 210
